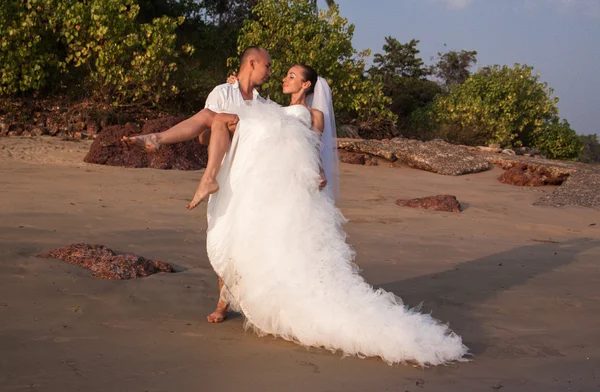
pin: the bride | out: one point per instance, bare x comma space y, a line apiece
278, 244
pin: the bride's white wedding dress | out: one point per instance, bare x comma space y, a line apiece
278, 244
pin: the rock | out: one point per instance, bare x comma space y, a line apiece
105, 264
531, 175
434, 156
446, 203
352, 158
39, 131
77, 135
582, 188
369, 161
508, 151
494, 150
107, 149
26, 134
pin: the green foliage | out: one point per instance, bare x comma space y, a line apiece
558, 140
28, 53
590, 152
117, 59
399, 60
295, 33
452, 67
404, 78
508, 106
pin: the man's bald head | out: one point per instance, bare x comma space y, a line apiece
253, 53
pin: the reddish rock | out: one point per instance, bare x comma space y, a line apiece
352, 158
526, 175
446, 203
38, 131
107, 148
105, 264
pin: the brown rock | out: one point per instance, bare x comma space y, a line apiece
352, 158
39, 131
105, 264
531, 175
446, 203
107, 149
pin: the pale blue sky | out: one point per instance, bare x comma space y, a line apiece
560, 38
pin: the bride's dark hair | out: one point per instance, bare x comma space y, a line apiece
309, 75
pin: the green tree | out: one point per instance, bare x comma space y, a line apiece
295, 33
504, 105
452, 67
590, 152
403, 74
29, 55
95, 45
558, 140
399, 60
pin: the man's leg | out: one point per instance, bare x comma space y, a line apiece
223, 126
220, 313
185, 130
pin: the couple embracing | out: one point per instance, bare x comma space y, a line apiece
275, 237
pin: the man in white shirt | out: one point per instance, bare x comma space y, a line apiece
255, 69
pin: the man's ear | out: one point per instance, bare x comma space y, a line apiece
252, 62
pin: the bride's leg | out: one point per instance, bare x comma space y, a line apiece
220, 313
220, 141
185, 130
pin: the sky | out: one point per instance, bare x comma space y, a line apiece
559, 38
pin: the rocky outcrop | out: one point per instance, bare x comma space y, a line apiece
434, 156
446, 203
523, 174
108, 149
582, 188
105, 264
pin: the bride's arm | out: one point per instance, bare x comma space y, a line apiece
318, 124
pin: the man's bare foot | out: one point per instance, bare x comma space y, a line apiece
219, 315
146, 142
206, 188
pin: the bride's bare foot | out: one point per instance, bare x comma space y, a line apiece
206, 188
219, 315
146, 142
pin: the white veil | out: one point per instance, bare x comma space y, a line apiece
322, 100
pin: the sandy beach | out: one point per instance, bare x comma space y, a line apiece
519, 282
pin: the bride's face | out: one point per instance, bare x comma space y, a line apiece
294, 81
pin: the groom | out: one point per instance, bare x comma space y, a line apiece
255, 69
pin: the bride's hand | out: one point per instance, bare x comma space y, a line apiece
322, 180
231, 79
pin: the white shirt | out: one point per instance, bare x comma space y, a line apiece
227, 95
